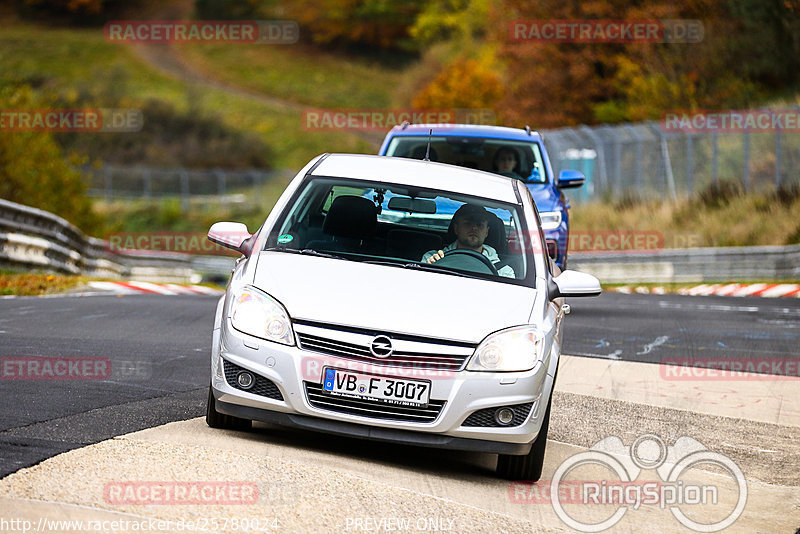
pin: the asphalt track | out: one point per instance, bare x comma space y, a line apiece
158, 349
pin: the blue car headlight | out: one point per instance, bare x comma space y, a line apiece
550, 219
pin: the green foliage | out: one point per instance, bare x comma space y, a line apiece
233, 9
75, 12
34, 172
365, 23
451, 20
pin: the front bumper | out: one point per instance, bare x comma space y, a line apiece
291, 369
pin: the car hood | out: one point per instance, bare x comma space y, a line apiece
545, 198
391, 299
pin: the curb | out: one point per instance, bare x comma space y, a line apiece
719, 290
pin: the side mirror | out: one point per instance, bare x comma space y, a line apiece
574, 284
569, 178
232, 235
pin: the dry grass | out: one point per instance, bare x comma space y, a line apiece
768, 217
25, 284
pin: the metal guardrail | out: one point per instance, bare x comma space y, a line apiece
31, 238
735, 264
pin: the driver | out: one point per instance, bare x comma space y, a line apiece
471, 226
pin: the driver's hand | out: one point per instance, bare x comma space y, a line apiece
436, 257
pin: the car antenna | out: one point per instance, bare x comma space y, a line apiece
428, 150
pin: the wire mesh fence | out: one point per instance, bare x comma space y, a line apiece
644, 159
648, 161
118, 182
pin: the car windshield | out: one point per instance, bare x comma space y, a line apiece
397, 225
517, 159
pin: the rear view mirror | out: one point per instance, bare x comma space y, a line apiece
574, 284
569, 178
232, 235
412, 205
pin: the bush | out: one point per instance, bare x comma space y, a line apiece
35, 172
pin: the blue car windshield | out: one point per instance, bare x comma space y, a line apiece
518, 159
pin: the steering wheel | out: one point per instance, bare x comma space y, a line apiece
467, 253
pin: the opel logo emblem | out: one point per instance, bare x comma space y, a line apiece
381, 347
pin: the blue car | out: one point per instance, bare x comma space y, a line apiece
518, 153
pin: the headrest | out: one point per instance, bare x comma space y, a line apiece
351, 216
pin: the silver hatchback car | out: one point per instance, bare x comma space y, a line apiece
395, 300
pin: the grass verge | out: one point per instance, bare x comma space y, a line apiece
27, 284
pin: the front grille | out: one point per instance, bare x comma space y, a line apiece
262, 386
374, 409
486, 418
430, 359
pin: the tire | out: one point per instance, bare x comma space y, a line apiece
214, 419
528, 466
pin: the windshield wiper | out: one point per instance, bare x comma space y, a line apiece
306, 252
424, 267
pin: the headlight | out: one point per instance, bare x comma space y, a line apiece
256, 313
550, 219
516, 349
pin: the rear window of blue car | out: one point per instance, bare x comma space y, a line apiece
475, 153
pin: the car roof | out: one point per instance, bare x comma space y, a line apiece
466, 130
418, 173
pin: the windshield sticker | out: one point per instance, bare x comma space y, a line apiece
285, 238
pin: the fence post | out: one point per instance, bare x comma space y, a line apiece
778, 143
617, 163
689, 164
746, 151
715, 157
107, 182
220, 182
638, 157
667, 161
184, 176
148, 190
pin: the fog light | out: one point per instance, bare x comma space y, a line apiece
245, 380
504, 416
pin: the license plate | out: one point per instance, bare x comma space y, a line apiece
384, 389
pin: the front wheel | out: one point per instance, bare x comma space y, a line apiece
529, 466
214, 419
